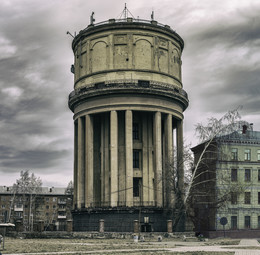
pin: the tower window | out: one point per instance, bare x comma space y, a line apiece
136, 187
136, 159
135, 131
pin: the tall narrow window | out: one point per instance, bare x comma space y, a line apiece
247, 175
259, 175
247, 222
247, 198
259, 198
233, 222
233, 198
135, 131
234, 154
258, 220
258, 155
247, 154
136, 187
136, 159
234, 175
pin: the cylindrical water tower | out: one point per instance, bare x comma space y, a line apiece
128, 98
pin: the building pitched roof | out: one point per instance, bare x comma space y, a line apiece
43, 191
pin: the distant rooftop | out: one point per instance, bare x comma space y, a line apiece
44, 190
247, 136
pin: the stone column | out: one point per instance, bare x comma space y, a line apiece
69, 226
129, 157
136, 226
180, 156
81, 165
169, 226
158, 159
114, 158
89, 175
75, 174
168, 159
151, 166
145, 161
41, 226
105, 165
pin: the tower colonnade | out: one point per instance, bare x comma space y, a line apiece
126, 156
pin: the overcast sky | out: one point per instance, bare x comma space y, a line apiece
221, 70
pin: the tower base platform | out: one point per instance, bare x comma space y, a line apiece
121, 219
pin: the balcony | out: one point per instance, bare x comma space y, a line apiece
129, 86
62, 217
18, 208
62, 202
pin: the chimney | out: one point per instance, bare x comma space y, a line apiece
244, 129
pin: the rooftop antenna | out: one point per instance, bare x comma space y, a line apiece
92, 20
68, 33
125, 13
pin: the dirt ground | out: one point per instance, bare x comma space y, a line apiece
106, 246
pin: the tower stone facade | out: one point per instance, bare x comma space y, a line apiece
127, 101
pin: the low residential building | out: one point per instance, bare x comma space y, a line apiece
227, 184
51, 207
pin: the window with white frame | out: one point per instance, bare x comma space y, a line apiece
247, 154
234, 153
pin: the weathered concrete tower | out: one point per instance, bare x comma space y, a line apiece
127, 100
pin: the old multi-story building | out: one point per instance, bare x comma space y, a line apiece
127, 101
229, 185
51, 206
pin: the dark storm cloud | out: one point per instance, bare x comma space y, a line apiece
220, 69
33, 99
30, 159
223, 61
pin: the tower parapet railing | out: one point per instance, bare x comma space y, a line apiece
129, 20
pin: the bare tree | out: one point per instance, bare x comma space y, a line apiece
174, 191
70, 189
200, 173
202, 193
27, 186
